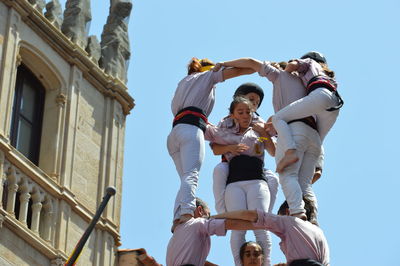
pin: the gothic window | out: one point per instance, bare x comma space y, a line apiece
27, 114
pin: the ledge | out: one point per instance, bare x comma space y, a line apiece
51, 186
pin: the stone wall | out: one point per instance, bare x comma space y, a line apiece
82, 142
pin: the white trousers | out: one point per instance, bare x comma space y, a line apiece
296, 179
186, 147
220, 175
248, 195
316, 104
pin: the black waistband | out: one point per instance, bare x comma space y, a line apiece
321, 82
309, 120
244, 167
328, 83
193, 116
308, 262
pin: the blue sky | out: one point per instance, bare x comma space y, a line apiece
358, 191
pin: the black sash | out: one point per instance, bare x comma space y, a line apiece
244, 167
193, 116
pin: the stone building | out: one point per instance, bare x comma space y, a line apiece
62, 130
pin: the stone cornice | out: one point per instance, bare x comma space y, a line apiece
73, 54
51, 186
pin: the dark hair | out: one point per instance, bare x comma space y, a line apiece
305, 262
243, 248
238, 100
196, 64
308, 206
202, 203
247, 88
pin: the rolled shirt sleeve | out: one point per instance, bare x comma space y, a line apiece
268, 71
216, 227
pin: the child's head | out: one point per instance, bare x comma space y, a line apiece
196, 65
251, 253
251, 91
240, 111
316, 56
320, 58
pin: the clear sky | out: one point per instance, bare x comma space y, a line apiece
359, 189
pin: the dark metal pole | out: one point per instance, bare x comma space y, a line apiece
110, 191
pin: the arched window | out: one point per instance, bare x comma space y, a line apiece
27, 116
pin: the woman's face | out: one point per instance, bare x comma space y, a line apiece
252, 255
254, 98
242, 115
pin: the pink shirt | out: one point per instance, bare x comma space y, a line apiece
198, 90
227, 121
190, 243
228, 136
308, 69
300, 239
287, 87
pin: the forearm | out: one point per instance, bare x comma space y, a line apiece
219, 149
245, 215
244, 63
233, 224
292, 66
210, 264
229, 73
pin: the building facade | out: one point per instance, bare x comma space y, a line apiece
63, 105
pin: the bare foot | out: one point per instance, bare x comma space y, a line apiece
300, 215
289, 158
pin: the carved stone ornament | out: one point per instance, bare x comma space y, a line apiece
54, 13
115, 50
61, 99
38, 4
18, 60
59, 261
93, 48
76, 21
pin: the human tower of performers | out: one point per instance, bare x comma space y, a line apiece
306, 104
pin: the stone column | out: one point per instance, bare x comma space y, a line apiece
36, 208
8, 71
23, 208
48, 217
12, 191
1, 177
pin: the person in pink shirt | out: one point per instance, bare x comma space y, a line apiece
300, 240
246, 185
190, 242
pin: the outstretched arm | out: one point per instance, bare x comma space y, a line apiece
247, 62
233, 224
292, 66
245, 215
234, 72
